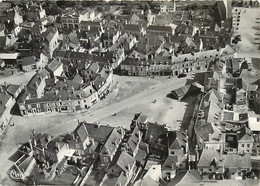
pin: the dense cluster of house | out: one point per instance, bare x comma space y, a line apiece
111, 155
226, 119
74, 52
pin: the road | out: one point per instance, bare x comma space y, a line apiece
64, 123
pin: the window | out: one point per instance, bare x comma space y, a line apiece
77, 146
105, 159
248, 145
242, 145
258, 119
29, 106
78, 102
38, 105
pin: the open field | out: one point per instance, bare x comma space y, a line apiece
247, 30
130, 95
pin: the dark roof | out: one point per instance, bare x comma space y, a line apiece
177, 139
204, 130
245, 134
29, 60
110, 147
157, 28
124, 160
154, 132
132, 27
98, 131
12, 89
256, 63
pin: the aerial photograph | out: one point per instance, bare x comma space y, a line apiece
130, 93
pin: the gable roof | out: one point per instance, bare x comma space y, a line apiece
54, 65
112, 142
176, 139
245, 135
124, 161
12, 89
98, 131
82, 132
208, 155
183, 177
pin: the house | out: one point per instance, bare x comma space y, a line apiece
140, 120
211, 164
55, 68
185, 30
110, 147
185, 177
137, 11
151, 178
159, 30
71, 41
177, 154
245, 140
186, 91
237, 166
126, 42
6, 104
121, 170
14, 90
10, 59
86, 25
51, 37
134, 29
210, 136
29, 64
110, 37
168, 7
254, 122
72, 19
